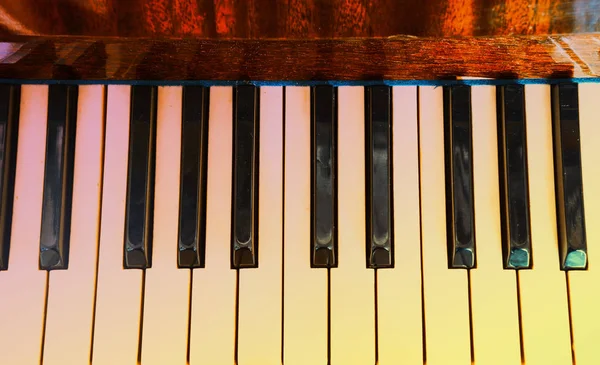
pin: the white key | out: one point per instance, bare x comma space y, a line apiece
70, 311
352, 284
584, 286
305, 289
259, 326
544, 308
445, 291
166, 300
495, 308
212, 338
23, 285
119, 291
399, 289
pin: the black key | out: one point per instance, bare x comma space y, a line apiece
514, 186
139, 212
10, 100
568, 180
192, 200
58, 177
459, 177
323, 227
244, 222
378, 133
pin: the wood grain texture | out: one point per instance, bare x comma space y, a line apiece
351, 59
289, 19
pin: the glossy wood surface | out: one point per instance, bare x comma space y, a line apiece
356, 59
307, 19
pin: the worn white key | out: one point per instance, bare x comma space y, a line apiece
212, 338
399, 289
23, 286
494, 304
259, 318
70, 310
543, 292
166, 301
584, 286
118, 293
305, 289
352, 284
445, 291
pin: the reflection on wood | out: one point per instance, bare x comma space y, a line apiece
297, 18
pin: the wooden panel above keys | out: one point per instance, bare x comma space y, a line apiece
297, 60
295, 18
298, 40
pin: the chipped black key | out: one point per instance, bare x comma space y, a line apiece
10, 100
378, 133
514, 187
244, 222
192, 199
58, 177
323, 225
459, 177
568, 180
139, 211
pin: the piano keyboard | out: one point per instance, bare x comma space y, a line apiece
299, 225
